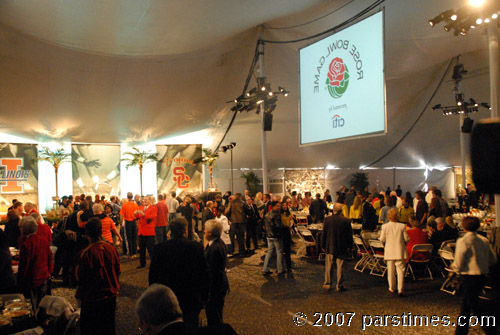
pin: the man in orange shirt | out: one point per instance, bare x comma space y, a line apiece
147, 221
128, 213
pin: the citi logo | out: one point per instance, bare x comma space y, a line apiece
338, 122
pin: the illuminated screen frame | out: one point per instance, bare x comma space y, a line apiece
332, 93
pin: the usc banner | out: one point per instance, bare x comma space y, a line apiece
179, 169
18, 173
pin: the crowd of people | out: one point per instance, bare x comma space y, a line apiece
189, 240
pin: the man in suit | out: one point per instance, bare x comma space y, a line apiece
318, 209
251, 220
337, 242
207, 214
158, 311
394, 236
180, 264
216, 256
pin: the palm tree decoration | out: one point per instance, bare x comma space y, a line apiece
139, 158
55, 158
210, 158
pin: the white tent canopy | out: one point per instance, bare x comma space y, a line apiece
131, 71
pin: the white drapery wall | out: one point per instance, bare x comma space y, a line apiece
409, 179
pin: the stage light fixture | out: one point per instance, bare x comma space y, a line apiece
449, 26
462, 106
262, 93
467, 17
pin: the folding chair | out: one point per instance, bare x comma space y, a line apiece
301, 220
447, 258
308, 247
379, 267
449, 247
420, 254
365, 253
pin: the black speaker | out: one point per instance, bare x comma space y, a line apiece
485, 156
268, 121
467, 126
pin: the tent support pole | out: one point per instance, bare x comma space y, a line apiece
462, 149
265, 188
493, 59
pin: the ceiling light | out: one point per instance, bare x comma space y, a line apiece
453, 17
494, 16
476, 3
487, 20
479, 21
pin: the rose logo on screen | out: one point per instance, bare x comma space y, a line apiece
338, 78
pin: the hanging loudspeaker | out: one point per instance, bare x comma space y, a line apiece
467, 126
268, 121
485, 156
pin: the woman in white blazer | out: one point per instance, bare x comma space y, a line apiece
395, 237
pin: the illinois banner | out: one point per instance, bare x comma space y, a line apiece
96, 169
18, 174
179, 169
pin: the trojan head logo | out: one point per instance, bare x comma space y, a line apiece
338, 78
338, 122
11, 175
180, 177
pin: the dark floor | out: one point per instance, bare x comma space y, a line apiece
260, 304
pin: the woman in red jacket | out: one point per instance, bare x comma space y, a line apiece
417, 236
146, 214
35, 261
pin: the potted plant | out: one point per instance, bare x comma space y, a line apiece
360, 181
139, 158
252, 182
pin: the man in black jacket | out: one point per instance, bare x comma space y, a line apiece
251, 220
337, 241
318, 209
180, 264
216, 256
274, 238
370, 219
207, 214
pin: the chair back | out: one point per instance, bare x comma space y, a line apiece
445, 243
301, 220
360, 245
305, 234
377, 247
424, 250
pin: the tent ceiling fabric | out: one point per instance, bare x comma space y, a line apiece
141, 28
114, 71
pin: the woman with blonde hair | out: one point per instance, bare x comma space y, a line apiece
356, 209
258, 201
